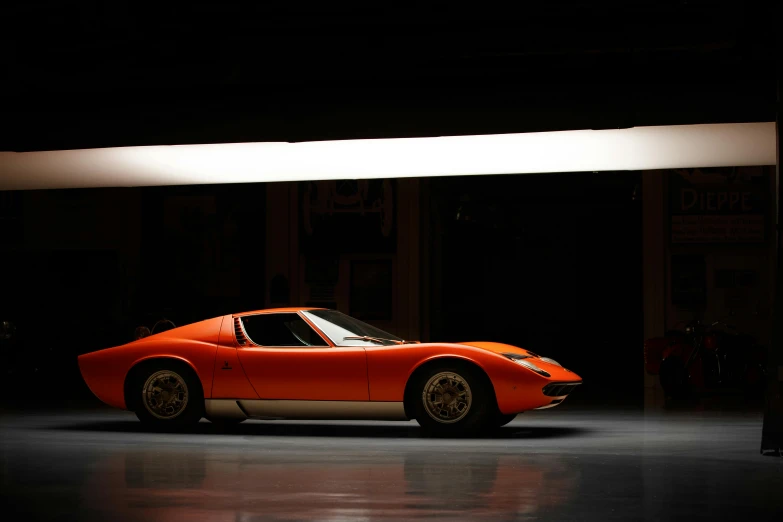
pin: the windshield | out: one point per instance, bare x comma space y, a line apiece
337, 326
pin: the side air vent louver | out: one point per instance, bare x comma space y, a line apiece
240, 333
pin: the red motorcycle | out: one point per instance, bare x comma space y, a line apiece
704, 357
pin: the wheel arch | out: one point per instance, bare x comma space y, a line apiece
423, 366
141, 364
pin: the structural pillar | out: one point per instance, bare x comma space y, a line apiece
772, 432
654, 261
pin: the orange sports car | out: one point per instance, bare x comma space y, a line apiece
311, 363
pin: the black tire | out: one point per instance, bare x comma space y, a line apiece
473, 418
176, 376
503, 419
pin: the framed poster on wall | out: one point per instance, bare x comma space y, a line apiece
719, 205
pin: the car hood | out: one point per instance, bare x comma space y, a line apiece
499, 348
556, 371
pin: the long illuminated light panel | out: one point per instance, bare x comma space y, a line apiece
639, 148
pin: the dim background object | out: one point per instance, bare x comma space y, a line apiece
689, 282
371, 290
342, 216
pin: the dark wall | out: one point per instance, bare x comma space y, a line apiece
547, 262
86, 74
203, 251
83, 268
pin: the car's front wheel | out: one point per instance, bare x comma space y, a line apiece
168, 395
452, 399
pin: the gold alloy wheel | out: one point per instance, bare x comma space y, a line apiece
165, 394
447, 397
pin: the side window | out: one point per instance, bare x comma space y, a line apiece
280, 330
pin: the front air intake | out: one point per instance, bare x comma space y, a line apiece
239, 332
559, 389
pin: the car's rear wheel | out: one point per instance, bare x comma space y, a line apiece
168, 395
452, 399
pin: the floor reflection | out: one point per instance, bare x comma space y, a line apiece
610, 467
252, 486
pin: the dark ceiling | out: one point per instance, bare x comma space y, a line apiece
95, 74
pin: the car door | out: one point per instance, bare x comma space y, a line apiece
285, 358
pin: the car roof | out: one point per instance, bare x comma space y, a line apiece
278, 310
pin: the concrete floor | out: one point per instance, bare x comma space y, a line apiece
550, 465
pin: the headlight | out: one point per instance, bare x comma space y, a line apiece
522, 360
531, 366
551, 361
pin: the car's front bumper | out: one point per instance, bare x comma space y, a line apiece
558, 391
533, 392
